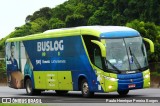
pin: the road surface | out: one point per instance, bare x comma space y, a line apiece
153, 95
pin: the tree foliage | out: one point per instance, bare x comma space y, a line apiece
43, 12
56, 23
148, 30
74, 20
142, 15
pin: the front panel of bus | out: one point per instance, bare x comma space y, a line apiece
126, 63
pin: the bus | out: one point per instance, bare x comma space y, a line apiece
87, 58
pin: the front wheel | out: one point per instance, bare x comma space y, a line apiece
29, 88
123, 93
85, 89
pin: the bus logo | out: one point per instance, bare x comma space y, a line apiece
50, 46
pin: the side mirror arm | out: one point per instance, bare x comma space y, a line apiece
150, 43
102, 47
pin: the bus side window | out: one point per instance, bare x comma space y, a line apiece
97, 58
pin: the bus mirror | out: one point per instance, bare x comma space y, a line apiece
102, 47
150, 43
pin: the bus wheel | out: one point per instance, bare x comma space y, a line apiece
61, 92
30, 90
85, 89
123, 93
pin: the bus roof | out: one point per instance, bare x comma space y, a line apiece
98, 31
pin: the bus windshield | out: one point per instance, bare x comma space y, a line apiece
126, 54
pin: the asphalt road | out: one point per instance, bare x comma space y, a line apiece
134, 96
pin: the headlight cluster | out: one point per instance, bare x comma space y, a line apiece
111, 79
147, 76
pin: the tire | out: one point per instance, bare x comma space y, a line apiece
123, 93
85, 89
61, 92
30, 90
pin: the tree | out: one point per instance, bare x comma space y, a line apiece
39, 25
75, 20
148, 30
93, 21
42, 13
28, 19
100, 16
118, 19
56, 23
61, 11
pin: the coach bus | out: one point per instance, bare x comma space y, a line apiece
87, 59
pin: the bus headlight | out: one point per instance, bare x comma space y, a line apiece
111, 79
147, 76
110, 87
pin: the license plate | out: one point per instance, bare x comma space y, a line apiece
131, 86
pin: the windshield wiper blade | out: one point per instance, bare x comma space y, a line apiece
116, 69
135, 59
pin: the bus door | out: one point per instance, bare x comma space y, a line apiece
107, 81
98, 68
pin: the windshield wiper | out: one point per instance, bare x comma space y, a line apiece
135, 59
115, 68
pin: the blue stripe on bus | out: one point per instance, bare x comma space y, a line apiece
120, 34
127, 79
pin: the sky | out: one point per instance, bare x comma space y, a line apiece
14, 12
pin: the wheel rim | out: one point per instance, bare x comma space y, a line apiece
85, 88
29, 87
